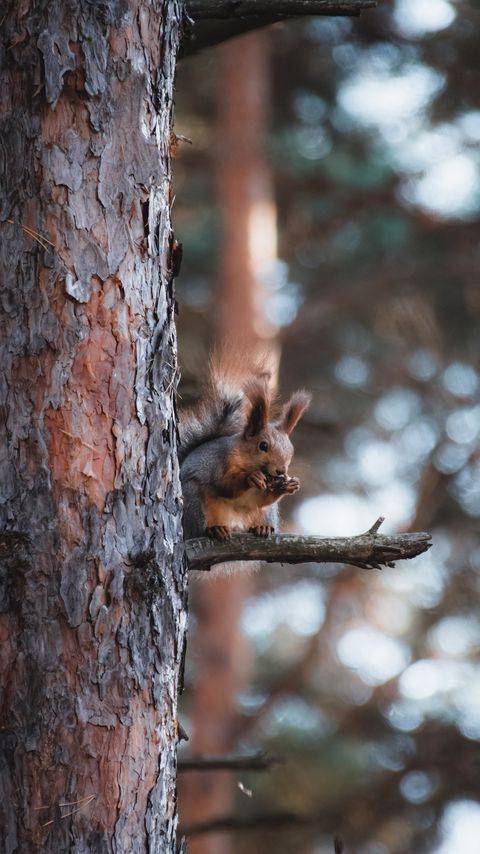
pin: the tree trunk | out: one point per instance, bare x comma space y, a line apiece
92, 578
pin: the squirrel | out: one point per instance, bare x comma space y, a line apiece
235, 453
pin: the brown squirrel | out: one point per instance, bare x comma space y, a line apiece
235, 453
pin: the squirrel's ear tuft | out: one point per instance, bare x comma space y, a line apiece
257, 418
294, 409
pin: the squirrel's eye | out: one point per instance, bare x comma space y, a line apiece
263, 446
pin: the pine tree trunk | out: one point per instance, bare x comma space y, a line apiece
92, 581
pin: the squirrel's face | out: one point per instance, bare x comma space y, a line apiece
266, 445
270, 451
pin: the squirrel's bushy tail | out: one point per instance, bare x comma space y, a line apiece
223, 407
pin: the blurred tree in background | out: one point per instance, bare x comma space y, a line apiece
244, 196
367, 684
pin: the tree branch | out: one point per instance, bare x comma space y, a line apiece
210, 22
274, 9
229, 762
276, 820
370, 550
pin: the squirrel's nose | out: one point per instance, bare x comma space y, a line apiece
281, 471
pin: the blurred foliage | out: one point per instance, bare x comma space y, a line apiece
367, 685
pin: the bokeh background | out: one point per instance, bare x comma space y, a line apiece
329, 205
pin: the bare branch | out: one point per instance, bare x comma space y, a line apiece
367, 551
274, 9
210, 22
237, 823
229, 762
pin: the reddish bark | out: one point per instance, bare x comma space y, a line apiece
92, 607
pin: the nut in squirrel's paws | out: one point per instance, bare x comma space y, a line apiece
283, 485
258, 480
262, 530
218, 532
292, 484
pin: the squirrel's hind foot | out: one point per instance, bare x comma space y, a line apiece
262, 530
218, 532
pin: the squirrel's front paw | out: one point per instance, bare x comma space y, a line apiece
258, 480
218, 532
262, 530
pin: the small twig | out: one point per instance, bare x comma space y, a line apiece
367, 551
182, 733
376, 525
257, 762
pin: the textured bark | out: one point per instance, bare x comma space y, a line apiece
92, 581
